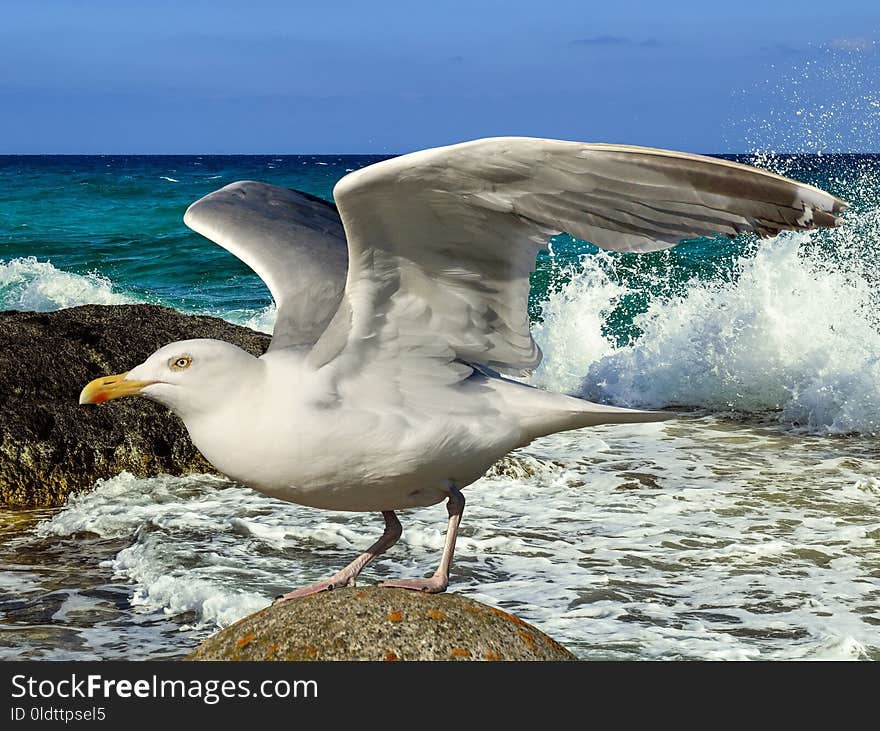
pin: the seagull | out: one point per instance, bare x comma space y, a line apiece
402, 324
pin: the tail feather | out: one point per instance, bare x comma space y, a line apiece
565, 415
542, 412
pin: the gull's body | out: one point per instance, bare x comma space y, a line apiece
395, 456
381, 388
392, 458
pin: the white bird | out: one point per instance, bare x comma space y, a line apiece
381, 389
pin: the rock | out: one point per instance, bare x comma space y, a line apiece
523, 466
50, 446
373, 623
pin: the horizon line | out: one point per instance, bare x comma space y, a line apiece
369, 154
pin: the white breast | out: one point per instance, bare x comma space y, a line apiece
284, 442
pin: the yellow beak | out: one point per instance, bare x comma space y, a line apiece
111, 387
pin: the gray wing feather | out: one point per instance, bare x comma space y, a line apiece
442, 241
295, 243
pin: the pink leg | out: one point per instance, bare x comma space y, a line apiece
440, 580
349, 574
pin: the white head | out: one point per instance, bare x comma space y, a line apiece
190, 377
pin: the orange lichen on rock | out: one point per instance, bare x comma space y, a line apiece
493, 656
395, 616
460, 652
509, 617
246, 640
391, 657
436, 614
527, 638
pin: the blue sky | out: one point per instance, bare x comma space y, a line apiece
344, 76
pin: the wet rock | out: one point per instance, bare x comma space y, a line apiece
522, 467
50, 446
374, 623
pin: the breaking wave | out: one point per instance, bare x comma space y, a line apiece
29, 284
790, 334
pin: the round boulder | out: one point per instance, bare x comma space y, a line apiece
374, 623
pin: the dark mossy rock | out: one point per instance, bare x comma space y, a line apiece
50, 446
374, 623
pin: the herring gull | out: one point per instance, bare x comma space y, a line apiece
401, 314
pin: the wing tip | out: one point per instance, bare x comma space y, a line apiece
246, 190
189, 216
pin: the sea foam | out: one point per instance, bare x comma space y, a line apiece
29, 284
791, 333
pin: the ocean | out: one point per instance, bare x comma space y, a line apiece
746, 528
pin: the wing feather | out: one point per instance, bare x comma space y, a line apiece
442, 241
294, 242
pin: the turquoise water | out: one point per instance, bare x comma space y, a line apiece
120, 217
746, 528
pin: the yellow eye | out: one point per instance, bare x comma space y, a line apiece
180, 363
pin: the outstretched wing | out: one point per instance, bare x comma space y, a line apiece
294, 242
442, 241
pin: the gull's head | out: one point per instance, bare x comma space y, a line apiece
189, 377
